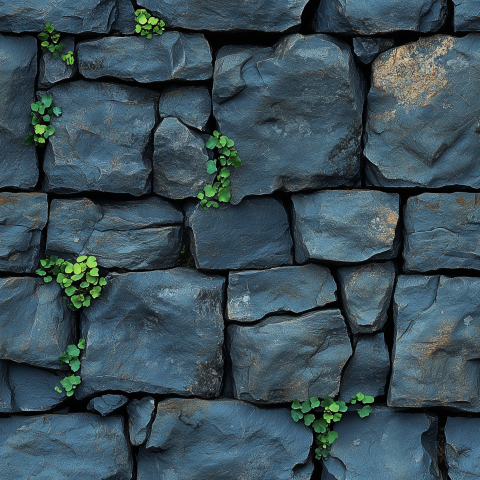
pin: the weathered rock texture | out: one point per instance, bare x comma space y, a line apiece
106, 404
368, 49
466, 15
224, 439
5, 390
125, 19
54, 70
294, 111
140, 418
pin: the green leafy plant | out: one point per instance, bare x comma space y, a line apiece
42, 112
330, 411
227, 156
68, 58
49, 41
147, 24
80, 280
71, 358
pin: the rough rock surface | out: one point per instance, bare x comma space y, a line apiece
442, 231
282, 358
253, 234
387, 445
422, 126
18, 162
135, 235
179, 159
22, 218
466, 15
170, 327
368, 49
43, 325
224, 439
294, 111
345, 226
366, 293
140, 418
74, 446
125, 19
255, 293
54, 70
106, 404
171, 56
91, 148
437, 345
5, 390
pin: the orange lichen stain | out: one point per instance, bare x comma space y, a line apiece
461, 200
8, 199
384, 225
434, 206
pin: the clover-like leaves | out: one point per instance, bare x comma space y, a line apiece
147, 24
49, 42
42, 113
71, 358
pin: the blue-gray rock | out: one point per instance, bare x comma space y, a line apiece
179, 159
462, 451
125, 19
224, 439
102, 141
142, 234
285, 357
368, 369
437, 330
22, 218
229, 15
387, 445
5, 390
171, 56
191, 105
140, 418
466, 16
255, 293
54, 70
421, 128
106, 404
166, 329
18, 162
294, 111
442, 231
366, 293
253, 234
345, 226
74, 446
379, 16
43, 326
368, 49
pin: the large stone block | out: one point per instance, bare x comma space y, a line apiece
294, 111
166, 329
437, 344
253, 234
36, 325
466, 15
345, 226
125, 19
54, 70
22, 218
282, 358
225, 439
18, 162
422, 114
171, 56
255, 293
74, 446
135, 235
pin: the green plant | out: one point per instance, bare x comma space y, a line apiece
71, 358
49, 41
332, 412
227, 156
68, 58
147, 24
80, 280
42, 112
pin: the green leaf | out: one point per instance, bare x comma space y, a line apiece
86, 302
47, 279
57, 111
28, 139
41, 272
66, 384
84, 285
77, 301
77, 269
68, 268
75, 278
337, 417
222, 140
142, 19
102, 281
70, 291
296, 405
224, 173
67, 282
138, 28
49, 131
211, 142
216, 134
210, 191
94, 272
365, 411
81, 344
40, 129
201, 195
64, 358
73, 350
296, 415
91, 262
334, 407
211, 166
320, 425
91, 279
343, 406
315, 402
224, 195
58, 390
328, 417
368, 399
47, 100
331, 437
75, 365
306, 407
230, 143
81, 259
69, 394
326, 402
153, 21
360, 396
309, 419
46, 118
34, 107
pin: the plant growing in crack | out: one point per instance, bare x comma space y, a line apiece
42, 113
71, 358
147, 24
49, 41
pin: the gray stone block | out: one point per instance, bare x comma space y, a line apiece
106, 404
5, 390
368, 49
466, 15
140, 418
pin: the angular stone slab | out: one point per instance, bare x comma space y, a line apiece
22, 218
282, 358
466, 16
5, 390
224, 439
421, 130
345, 226
442, 231
18, 162
253, 234
366, 293
370, 447
140, 418
179, 159
36, 325
255, 293
437, 328
90, 447
54, 70
125, 20
294, 111
102, 140
169, 324
379, 16
368, 49
171, 56
106, 404
135, 235
229, 15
